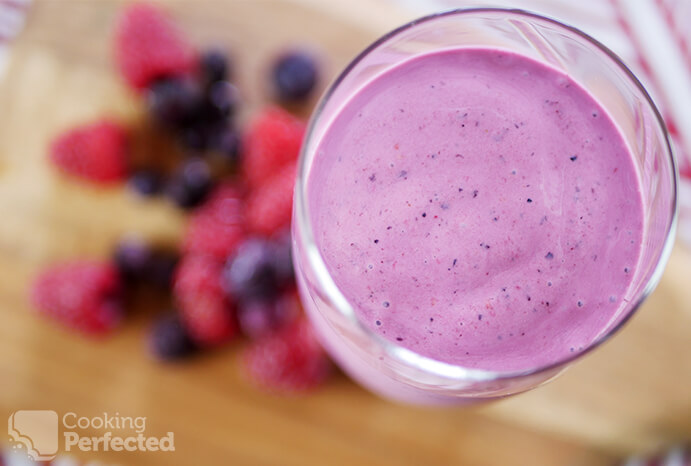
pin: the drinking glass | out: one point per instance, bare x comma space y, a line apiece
395, 372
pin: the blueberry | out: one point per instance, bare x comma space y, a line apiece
138, 261
190, 186
259, 318
283, 258
294, 76
221, 99
146, 182
161, 268
173, 102
168, 339
195, 137
214, 66
215, 108
251, 273
132, 257
227, 143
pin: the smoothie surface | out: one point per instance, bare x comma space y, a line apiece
478, 207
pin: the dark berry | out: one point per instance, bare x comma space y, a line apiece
195, 137
138, 261
161, 268
228, 145
168, 339
294, 76
223, 97
213, 66
173, 102
146, 182
190, 186
261, 317
132, 257
219, 104
251, 273
283, 259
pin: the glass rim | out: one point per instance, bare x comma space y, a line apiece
449, 371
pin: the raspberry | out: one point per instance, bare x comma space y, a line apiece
148, 46
270, 206
217, 226
206, 311
97, 152
273, 140
287, 361
83, 295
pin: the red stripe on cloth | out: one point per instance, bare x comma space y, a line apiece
668, 15
626, 27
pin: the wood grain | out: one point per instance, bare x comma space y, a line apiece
633, 395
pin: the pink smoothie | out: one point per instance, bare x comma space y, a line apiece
478, 207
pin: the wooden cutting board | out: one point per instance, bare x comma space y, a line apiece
633, 395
